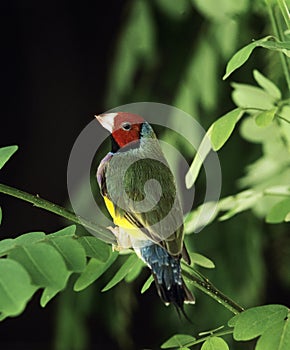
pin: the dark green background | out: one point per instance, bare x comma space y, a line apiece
57, 71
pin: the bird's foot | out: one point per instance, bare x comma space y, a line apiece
123, 239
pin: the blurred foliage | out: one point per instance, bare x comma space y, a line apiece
176, 52
185, 53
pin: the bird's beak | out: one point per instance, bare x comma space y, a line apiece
107, 120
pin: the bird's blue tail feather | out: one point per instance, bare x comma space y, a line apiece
166, 271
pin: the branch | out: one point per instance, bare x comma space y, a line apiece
202, 283
193, 276
102, 232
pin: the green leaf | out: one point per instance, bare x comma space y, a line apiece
239, 58
276, 45
252, 97
215, 138
202, 260
47, 295
184, 100
265, 118
206, 65
223, 128
6, 153
44, 264
201, 154
279, 212
136, 43
195, 220
6, 245
122, 272
267, 85
93, 271
276, 337
284, 127
15, 288
241, 202
72, 252
29, 238
134, 273
232, 322
220, 11
178, 340
147, 284
255, 321
250, 131
174, 9
67, 231
0, 215
215, 343
95, 248
278, 190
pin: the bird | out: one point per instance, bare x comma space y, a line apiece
140, 194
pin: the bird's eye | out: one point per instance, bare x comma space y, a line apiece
126, 126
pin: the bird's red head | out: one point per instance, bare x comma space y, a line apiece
124, 127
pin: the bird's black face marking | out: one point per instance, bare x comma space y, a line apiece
126, 126
115, 146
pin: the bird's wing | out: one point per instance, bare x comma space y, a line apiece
163, 221
101, 173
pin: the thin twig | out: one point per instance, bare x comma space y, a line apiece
216, 334
192, 275
278, 34
284, 10
202, 283
58, 210
282, 118
277, 115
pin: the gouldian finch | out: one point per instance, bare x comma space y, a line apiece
140, 194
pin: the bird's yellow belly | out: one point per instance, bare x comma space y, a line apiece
122, 222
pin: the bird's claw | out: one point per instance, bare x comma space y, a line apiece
123, 243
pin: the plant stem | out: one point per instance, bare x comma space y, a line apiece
216, 334
284, 10
202, 283
282, 118
279, 35
58, 210
275, 193
193, 276
250, 109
